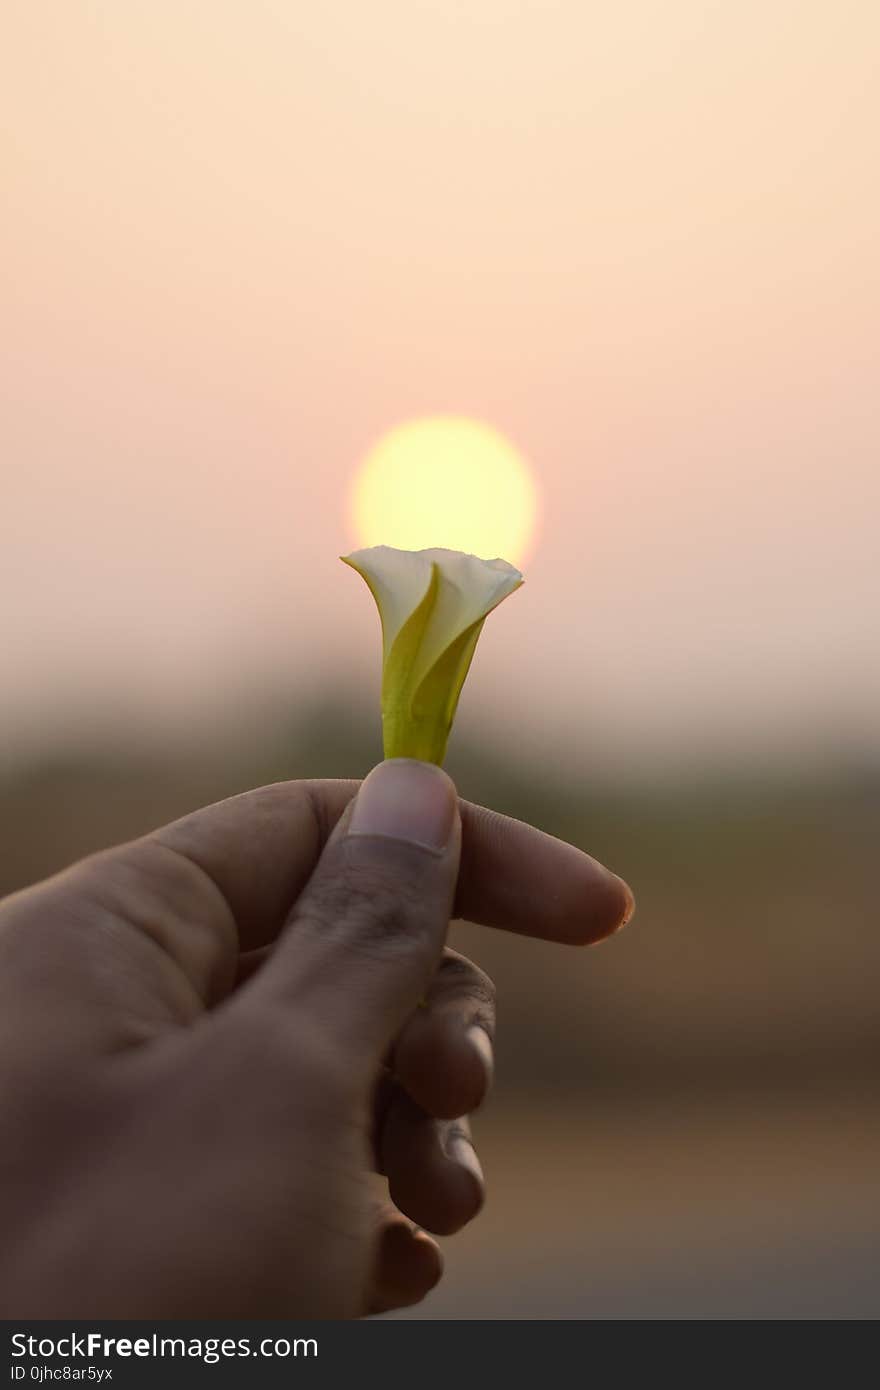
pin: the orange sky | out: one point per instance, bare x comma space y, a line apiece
243, 239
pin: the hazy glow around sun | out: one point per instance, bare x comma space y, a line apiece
449, 481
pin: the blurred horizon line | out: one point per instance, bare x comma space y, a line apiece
262, 720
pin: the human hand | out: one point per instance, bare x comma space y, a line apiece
211, 1039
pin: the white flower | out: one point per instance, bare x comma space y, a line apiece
432, 604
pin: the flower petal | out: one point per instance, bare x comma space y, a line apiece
398, 581
469, 588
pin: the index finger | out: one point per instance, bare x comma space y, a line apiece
261, 847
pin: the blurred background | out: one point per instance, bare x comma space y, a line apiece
242, 243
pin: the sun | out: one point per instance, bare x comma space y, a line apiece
446, 480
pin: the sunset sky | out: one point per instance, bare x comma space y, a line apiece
242, 239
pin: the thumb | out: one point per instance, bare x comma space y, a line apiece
368, 929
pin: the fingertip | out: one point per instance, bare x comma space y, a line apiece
621, 904
427, 1260
434, 1175
465, 1184
607, 905
409, 801
445, 1068
461, 1152
481, 1046
409, 1266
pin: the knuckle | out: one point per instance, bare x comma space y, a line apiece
457, 1128
459, 977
